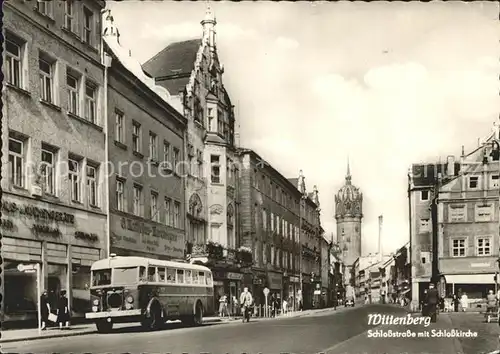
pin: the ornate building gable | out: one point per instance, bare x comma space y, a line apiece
348, 200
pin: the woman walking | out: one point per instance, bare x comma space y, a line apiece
45, 309
63, 315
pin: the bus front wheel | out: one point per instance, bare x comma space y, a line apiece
104, 326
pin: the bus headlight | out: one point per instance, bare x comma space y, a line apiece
96, 302
130, 299
94, 308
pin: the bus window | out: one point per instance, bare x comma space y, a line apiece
101, 277
126, 275
187, 277
170, 276
180, 276
195, 277
161, 275
151, 273
142, 274
209, 279
201, 278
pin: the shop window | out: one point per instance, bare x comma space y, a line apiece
20, 293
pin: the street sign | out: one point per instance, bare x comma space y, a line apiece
266, 291
29, 268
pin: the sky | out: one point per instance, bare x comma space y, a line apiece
382, 84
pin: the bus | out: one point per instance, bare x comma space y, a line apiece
149, 291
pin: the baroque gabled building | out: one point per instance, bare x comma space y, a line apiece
191, 71
349, 214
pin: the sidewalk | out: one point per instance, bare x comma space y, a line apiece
17, 335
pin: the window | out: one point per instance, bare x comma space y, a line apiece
483, 246
264, 254
220, 122
120, 195
90, 102
119, 127
211, 119
13, 62
16, 162
272, 255
171, 275
74, 179
201, 278
187, 277
473, 182
175, 160
457, 213
168, 211
161, 274
177, 208
92, 185
45, 75
154, 207
73, 97
138, 206
69, 15
44, 7
424, 225
166, 152
484, 212
424, 195
458, 248
494, 181
214, 159
264, 219
136, 137
48, 174
88, 24
180, 276
272, 222
153, 150
196, 277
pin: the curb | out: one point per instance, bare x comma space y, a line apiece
93, 331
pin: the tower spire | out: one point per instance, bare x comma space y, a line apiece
348, 175
208, 24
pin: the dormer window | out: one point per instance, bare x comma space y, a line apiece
211, 119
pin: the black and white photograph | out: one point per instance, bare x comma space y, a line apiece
252, 177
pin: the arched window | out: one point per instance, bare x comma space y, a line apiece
195, 206
230, 214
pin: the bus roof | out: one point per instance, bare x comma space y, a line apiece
122, 261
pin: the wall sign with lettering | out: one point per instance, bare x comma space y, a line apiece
41, 230
36, 212
86, 236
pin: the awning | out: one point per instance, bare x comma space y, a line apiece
470, 278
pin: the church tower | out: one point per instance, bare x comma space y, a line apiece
348, 213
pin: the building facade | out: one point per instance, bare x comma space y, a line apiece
192, 71
325, 270
349, 214
146, 150
53, 203
468, 208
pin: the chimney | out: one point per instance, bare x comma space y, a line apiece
450, 169
380, 224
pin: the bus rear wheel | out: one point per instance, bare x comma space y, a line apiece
197, 318
104, 326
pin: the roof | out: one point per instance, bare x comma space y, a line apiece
120, 261
427, 174
173, 65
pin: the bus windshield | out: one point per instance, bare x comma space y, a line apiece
125, 275
101, 277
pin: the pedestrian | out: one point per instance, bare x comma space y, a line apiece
464, 302
285, 306
63, 315
432, 302
491, 300
455, 302
222, 305
235, 306
246, 302
45, 309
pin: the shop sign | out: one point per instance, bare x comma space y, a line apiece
6, 224
41, 230
86, 236
218, 283
146, 237
275, 280
234, 276
36, 213
294, 279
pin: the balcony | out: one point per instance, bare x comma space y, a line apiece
214, 253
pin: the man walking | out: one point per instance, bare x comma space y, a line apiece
246, 302
432, 302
